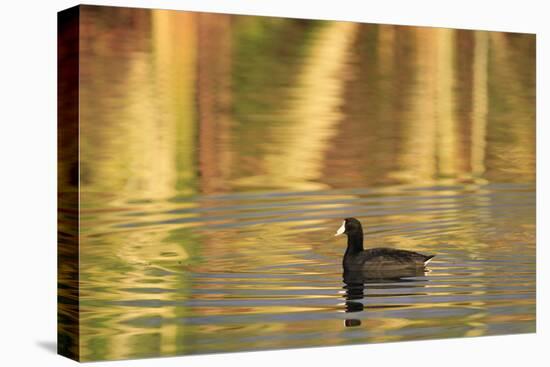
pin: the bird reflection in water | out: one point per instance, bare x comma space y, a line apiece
355, 284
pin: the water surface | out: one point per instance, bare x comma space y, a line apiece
220, 153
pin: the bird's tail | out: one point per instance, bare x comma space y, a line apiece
427, 259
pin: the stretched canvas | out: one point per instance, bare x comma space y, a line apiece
206, 162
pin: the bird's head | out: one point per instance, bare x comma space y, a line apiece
350, 225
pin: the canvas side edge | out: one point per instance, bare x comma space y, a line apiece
68, 279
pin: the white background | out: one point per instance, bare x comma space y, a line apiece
28, 181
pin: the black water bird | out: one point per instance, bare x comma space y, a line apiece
376, 260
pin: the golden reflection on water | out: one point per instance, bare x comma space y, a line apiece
218, 152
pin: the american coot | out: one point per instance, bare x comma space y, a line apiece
376, 259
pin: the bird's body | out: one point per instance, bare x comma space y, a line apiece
387, 259
384, 258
